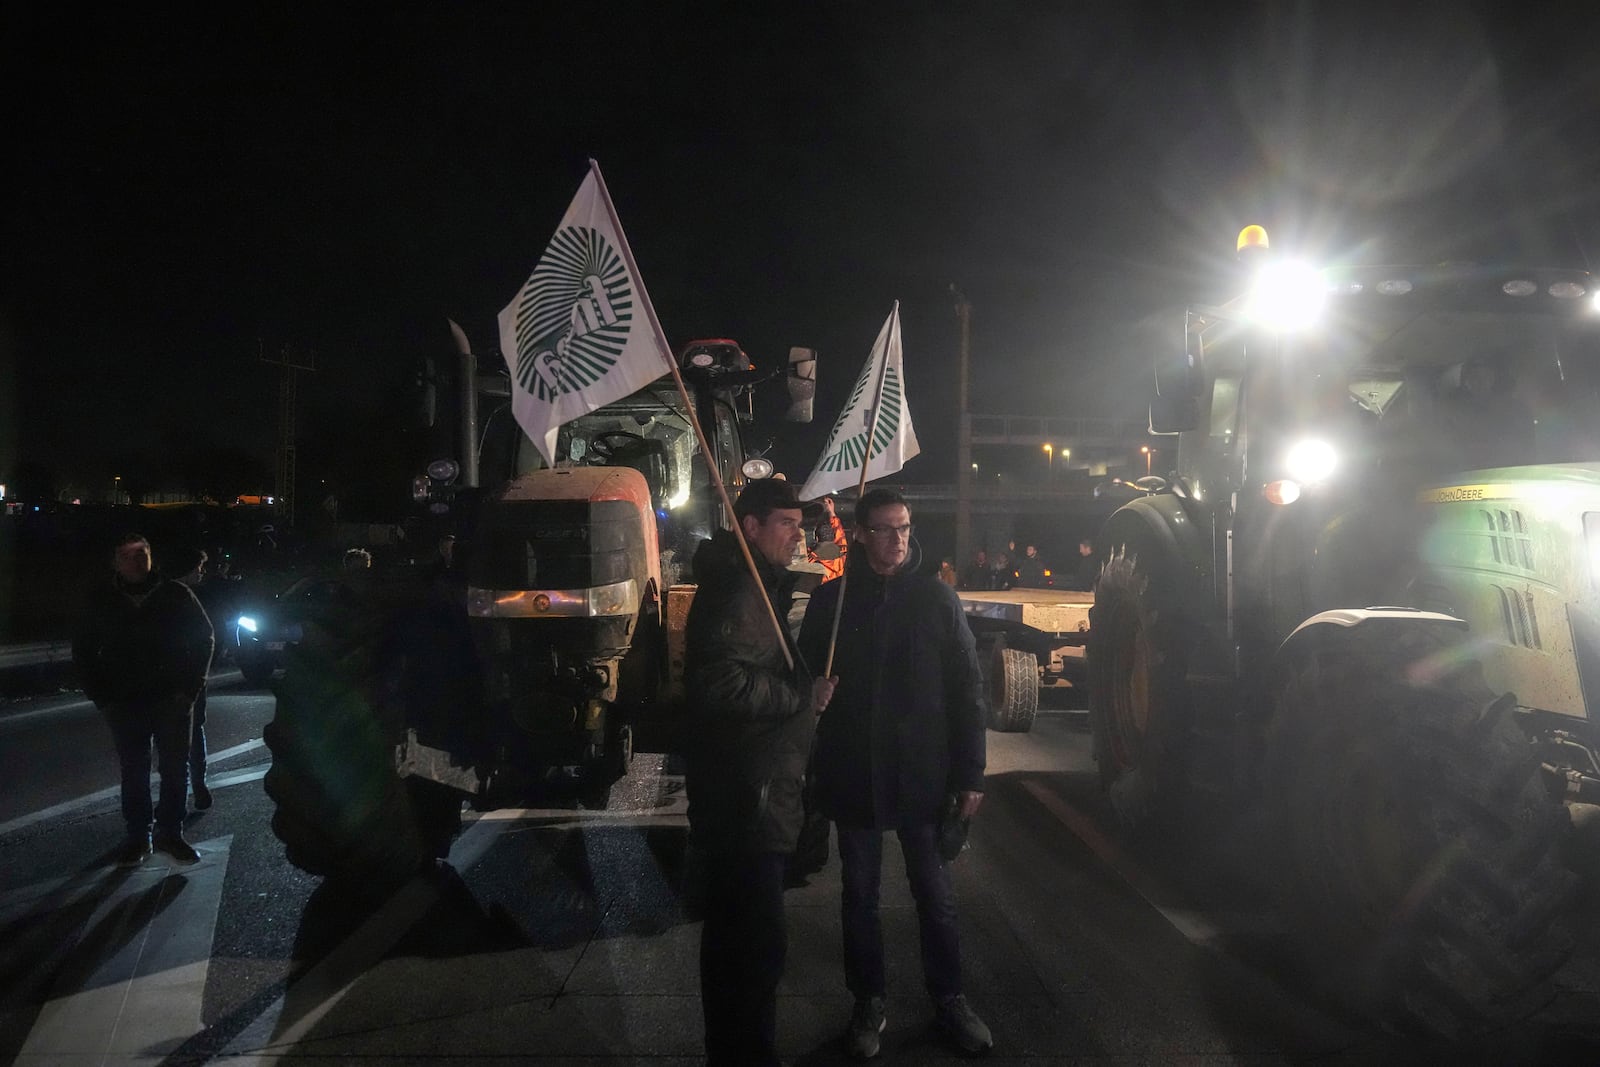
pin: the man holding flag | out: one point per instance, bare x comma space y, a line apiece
901, 745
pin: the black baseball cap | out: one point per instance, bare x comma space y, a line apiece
761, 498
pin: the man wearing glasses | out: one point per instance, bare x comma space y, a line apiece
900, 747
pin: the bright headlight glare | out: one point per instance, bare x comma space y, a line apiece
247, 623
1311, 461
1281, 492
1287, 296
678, 499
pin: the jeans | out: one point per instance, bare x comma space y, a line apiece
197, 739
861, 860
134, 725
742, 948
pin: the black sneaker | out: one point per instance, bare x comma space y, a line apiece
202, 796
863, 1037
958, 1022
134, 850
173, 844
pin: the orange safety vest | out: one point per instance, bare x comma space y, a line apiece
834, 568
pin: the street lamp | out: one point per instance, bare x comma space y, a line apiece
116, 489
1146, 450
1049, 459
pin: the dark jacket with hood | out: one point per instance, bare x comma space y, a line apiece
749, 714
905, 727
141, 642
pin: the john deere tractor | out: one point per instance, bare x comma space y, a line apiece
1360, 621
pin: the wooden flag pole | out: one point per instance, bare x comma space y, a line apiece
694, 423
861, 486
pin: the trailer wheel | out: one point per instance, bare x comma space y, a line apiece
1013, 690
1416, 836
1139, 709
343, 811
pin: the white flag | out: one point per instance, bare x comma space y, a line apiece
882, 382
580, 332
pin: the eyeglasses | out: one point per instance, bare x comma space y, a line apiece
885, 531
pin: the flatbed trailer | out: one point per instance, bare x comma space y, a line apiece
1027, 638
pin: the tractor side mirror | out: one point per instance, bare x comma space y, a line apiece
1176, 404
802, 383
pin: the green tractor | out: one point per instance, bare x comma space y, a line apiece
1359, 623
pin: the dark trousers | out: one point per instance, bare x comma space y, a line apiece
197, 738
861, 861
742, 947
134, 725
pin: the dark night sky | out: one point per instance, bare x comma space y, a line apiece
343, 179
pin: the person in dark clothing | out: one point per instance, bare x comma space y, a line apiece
1000, 574
976, 574
141, 650
1088, 569
1030, 569
900, 747
752, 716
190, 566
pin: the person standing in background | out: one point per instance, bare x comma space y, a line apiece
190, 563
141, 649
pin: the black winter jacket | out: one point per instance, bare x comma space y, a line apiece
749, 715
905, 727
142, 642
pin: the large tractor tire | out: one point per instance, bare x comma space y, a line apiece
1140, 713
1420, 852
1013, 678
257, 670
343, 811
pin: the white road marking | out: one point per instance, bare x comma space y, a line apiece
142, 999
1191, 924
70, 807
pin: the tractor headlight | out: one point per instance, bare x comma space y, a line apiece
1287, 295
618, 598
1311, 461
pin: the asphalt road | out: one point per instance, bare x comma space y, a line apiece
566, 936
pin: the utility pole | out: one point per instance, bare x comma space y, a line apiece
283, 483
963, 432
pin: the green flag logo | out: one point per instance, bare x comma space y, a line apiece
852, 451
574, 315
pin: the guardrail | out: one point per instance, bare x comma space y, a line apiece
36, 654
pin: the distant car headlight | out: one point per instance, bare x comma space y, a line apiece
247, 623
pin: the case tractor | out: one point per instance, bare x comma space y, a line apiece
530, 662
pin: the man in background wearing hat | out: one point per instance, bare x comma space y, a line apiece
752, 712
